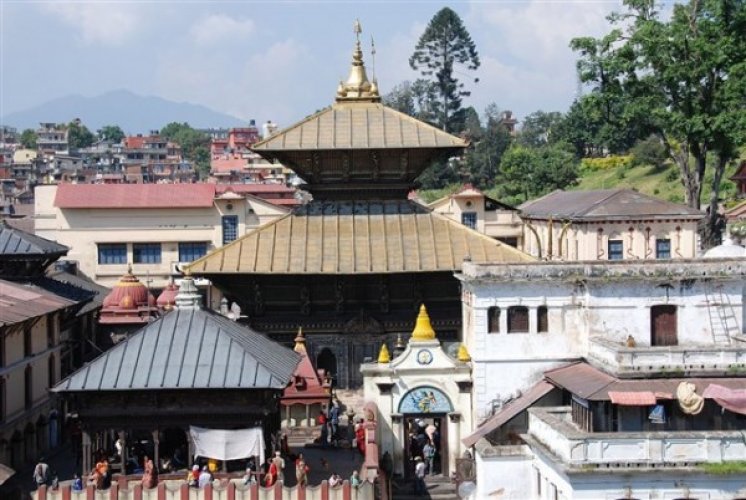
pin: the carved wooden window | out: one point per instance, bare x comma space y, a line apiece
663, 325
542, 319
518, 319
493, 320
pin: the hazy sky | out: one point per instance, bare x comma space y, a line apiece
279, 60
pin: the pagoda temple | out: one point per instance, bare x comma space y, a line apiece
353, 265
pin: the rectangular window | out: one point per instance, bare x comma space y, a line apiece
493, 320
542, 319
146, 253
112, 253
192, 250
662, 249
469, 219
230, 228
518, 319
616, 250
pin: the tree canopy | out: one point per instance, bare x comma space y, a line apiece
683, 80
78, 135
444, 49
111, 133
195, 145
28, 139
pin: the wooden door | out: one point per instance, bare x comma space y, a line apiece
663, 326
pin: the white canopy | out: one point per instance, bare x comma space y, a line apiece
222, 444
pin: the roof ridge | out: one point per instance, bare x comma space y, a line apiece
594, 205
291, 127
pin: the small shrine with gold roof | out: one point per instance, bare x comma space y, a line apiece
423, 393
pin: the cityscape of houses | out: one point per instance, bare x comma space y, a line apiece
301, 299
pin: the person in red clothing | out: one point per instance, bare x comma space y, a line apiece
360, 436
322, 421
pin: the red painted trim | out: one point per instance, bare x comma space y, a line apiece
122, 482
254, 491
346, 490
324, 490
90, 493
208, 492
184, 491
114, 491
137, 492
278, 490
162, 491
231, 491
66, 492
41, 492
301, 492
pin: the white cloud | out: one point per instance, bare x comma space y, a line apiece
218, 28
106, 23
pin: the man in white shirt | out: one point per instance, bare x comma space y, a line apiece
205, 477
419, 476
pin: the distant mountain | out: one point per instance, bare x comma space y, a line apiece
134, 113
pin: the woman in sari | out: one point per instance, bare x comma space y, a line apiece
150, 474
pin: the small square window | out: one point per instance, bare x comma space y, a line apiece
146, 253
112, 253
616, 250
192, 250
230, 228
518, 319
663, 249
469, 219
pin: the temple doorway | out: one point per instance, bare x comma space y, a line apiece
327, 361
421, 429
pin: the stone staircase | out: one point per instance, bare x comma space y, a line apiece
350, 399
438, 488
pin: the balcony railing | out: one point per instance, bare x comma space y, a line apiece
642, 361
552, 428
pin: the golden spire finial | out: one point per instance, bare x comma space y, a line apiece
357, 87
383, 355
423, 330
463, 354
300, 341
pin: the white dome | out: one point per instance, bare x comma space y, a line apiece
727, 250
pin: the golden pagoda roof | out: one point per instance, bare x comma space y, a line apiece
357, 238
358, 125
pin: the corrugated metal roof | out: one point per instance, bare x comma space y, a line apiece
357, 238
359, 125
13, 241
22, 302
541, 389
591, 383
188, 349
134, 195
604, 204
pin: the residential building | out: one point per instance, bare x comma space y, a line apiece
8, 137
156, 228
44, 321
52, 138
594, 361
472, 208
611, 224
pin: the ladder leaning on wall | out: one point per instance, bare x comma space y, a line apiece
722, 315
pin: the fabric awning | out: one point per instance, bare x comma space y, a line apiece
222, 444
644, 398
730, 399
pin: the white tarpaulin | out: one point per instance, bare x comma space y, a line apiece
222, 444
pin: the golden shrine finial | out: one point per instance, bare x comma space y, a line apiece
463, 354
383, 355
300, 341
423, 330
357, 87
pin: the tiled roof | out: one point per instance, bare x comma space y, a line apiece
135, 195
134, 142
357, 238
254, 188
17, 242
605, 204
228, 164
22, 302
360, 125
187, 349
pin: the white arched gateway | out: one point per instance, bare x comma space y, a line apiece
423, 394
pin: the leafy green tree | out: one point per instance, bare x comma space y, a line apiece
483, 158
444, 49
111, 133
28, 139
649, 152
686, 77
195, 145
78, 135
539, 128
527, 173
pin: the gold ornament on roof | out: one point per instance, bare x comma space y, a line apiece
358, 87
463, 354
423, 330
300, 341
383, 355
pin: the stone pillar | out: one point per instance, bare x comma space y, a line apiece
454, 441
156, 448
532, 323
287, 416
396, 446
308, 415
86, 450
503, 320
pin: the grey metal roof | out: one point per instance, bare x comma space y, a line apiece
188, 348
604, 204
16, 242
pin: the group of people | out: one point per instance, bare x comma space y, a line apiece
197, 478
424, 442
329, 423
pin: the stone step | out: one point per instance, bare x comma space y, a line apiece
438, 488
